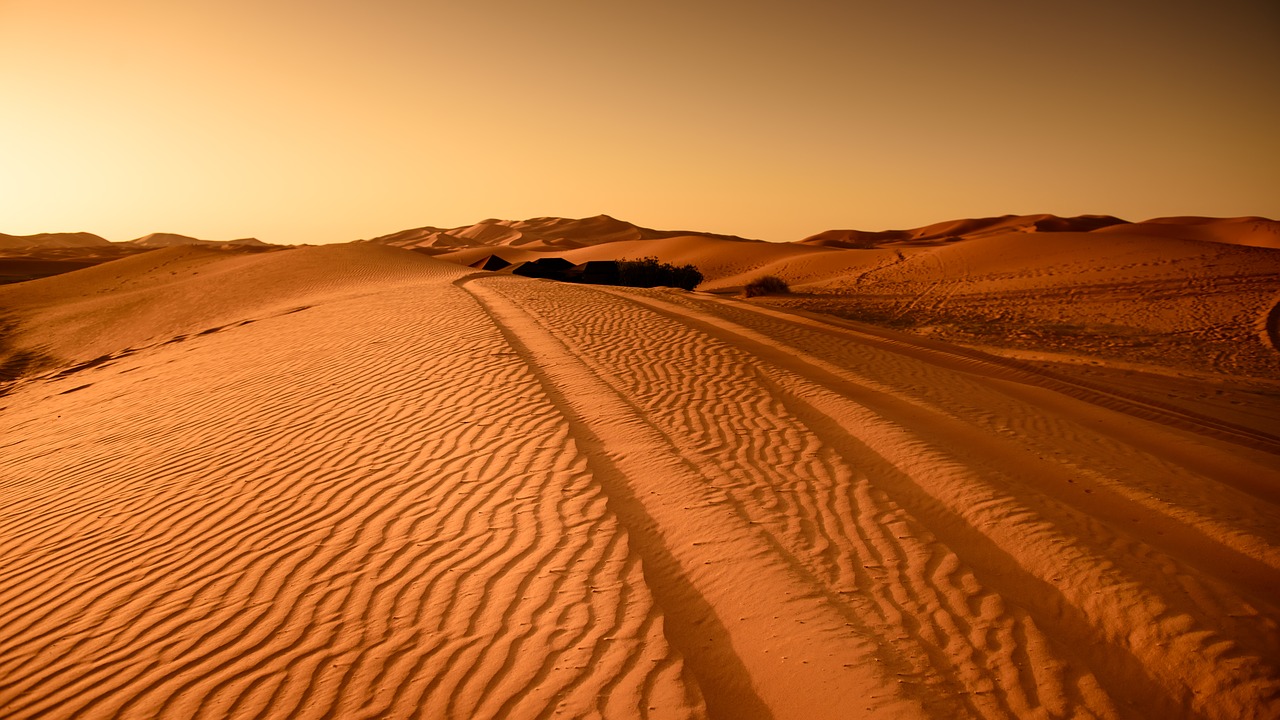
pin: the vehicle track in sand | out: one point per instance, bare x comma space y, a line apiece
994, 542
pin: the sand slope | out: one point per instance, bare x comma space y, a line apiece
535, 234
381, 485
1198, 294
1140, 298
363, 507
52, 240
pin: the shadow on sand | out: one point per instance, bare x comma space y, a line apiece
15, 362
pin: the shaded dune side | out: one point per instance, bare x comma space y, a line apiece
176, 292
979, 546
362, 509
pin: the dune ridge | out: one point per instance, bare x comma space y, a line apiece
162, 239
52, 240
535, 234
371, 517
31, 257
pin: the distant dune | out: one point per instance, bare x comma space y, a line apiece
159, 240
961, 229
89, 240
1062, 289
51, 240
546, 233
1252, 231
30, 257
995, 468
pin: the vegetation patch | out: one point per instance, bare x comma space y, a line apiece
643, 273
766, 285
648, 272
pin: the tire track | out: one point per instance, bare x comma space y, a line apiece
1165, 479
782, 501
980, 588
740, 612
1216, 603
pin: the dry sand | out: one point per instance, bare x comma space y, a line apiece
357, 481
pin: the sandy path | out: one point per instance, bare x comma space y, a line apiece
1010, 550
362, 509
765, 641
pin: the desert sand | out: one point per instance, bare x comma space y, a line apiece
1006, 468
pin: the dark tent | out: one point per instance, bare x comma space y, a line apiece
601, 272
490, 262
549, 268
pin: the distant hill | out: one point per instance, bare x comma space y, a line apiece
52, 240
966, 229
1254, 231
726, 260
543, 233
89, 240
159, 240
549, 234
30, 257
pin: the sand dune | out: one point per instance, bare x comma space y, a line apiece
1253, 231
903, 509
159, 240
536, 234
52, 240
1199, 306
965, 229
31, 257
363, 507
1193, 294
358, 481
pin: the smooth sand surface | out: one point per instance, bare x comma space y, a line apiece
357, 481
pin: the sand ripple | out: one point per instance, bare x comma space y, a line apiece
362, 509
1011, 550
407, 491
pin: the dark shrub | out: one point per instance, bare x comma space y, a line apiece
766, 285
648, 272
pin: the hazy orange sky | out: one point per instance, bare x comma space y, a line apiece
330, 120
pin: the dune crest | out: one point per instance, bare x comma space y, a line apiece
955, 230
51, 240
535, 234
159, 240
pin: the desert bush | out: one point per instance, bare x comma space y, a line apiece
648, 272
766, 285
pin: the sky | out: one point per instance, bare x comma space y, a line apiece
318, 121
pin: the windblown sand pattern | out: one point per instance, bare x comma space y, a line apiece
363, 509
397, 489
1009, 550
